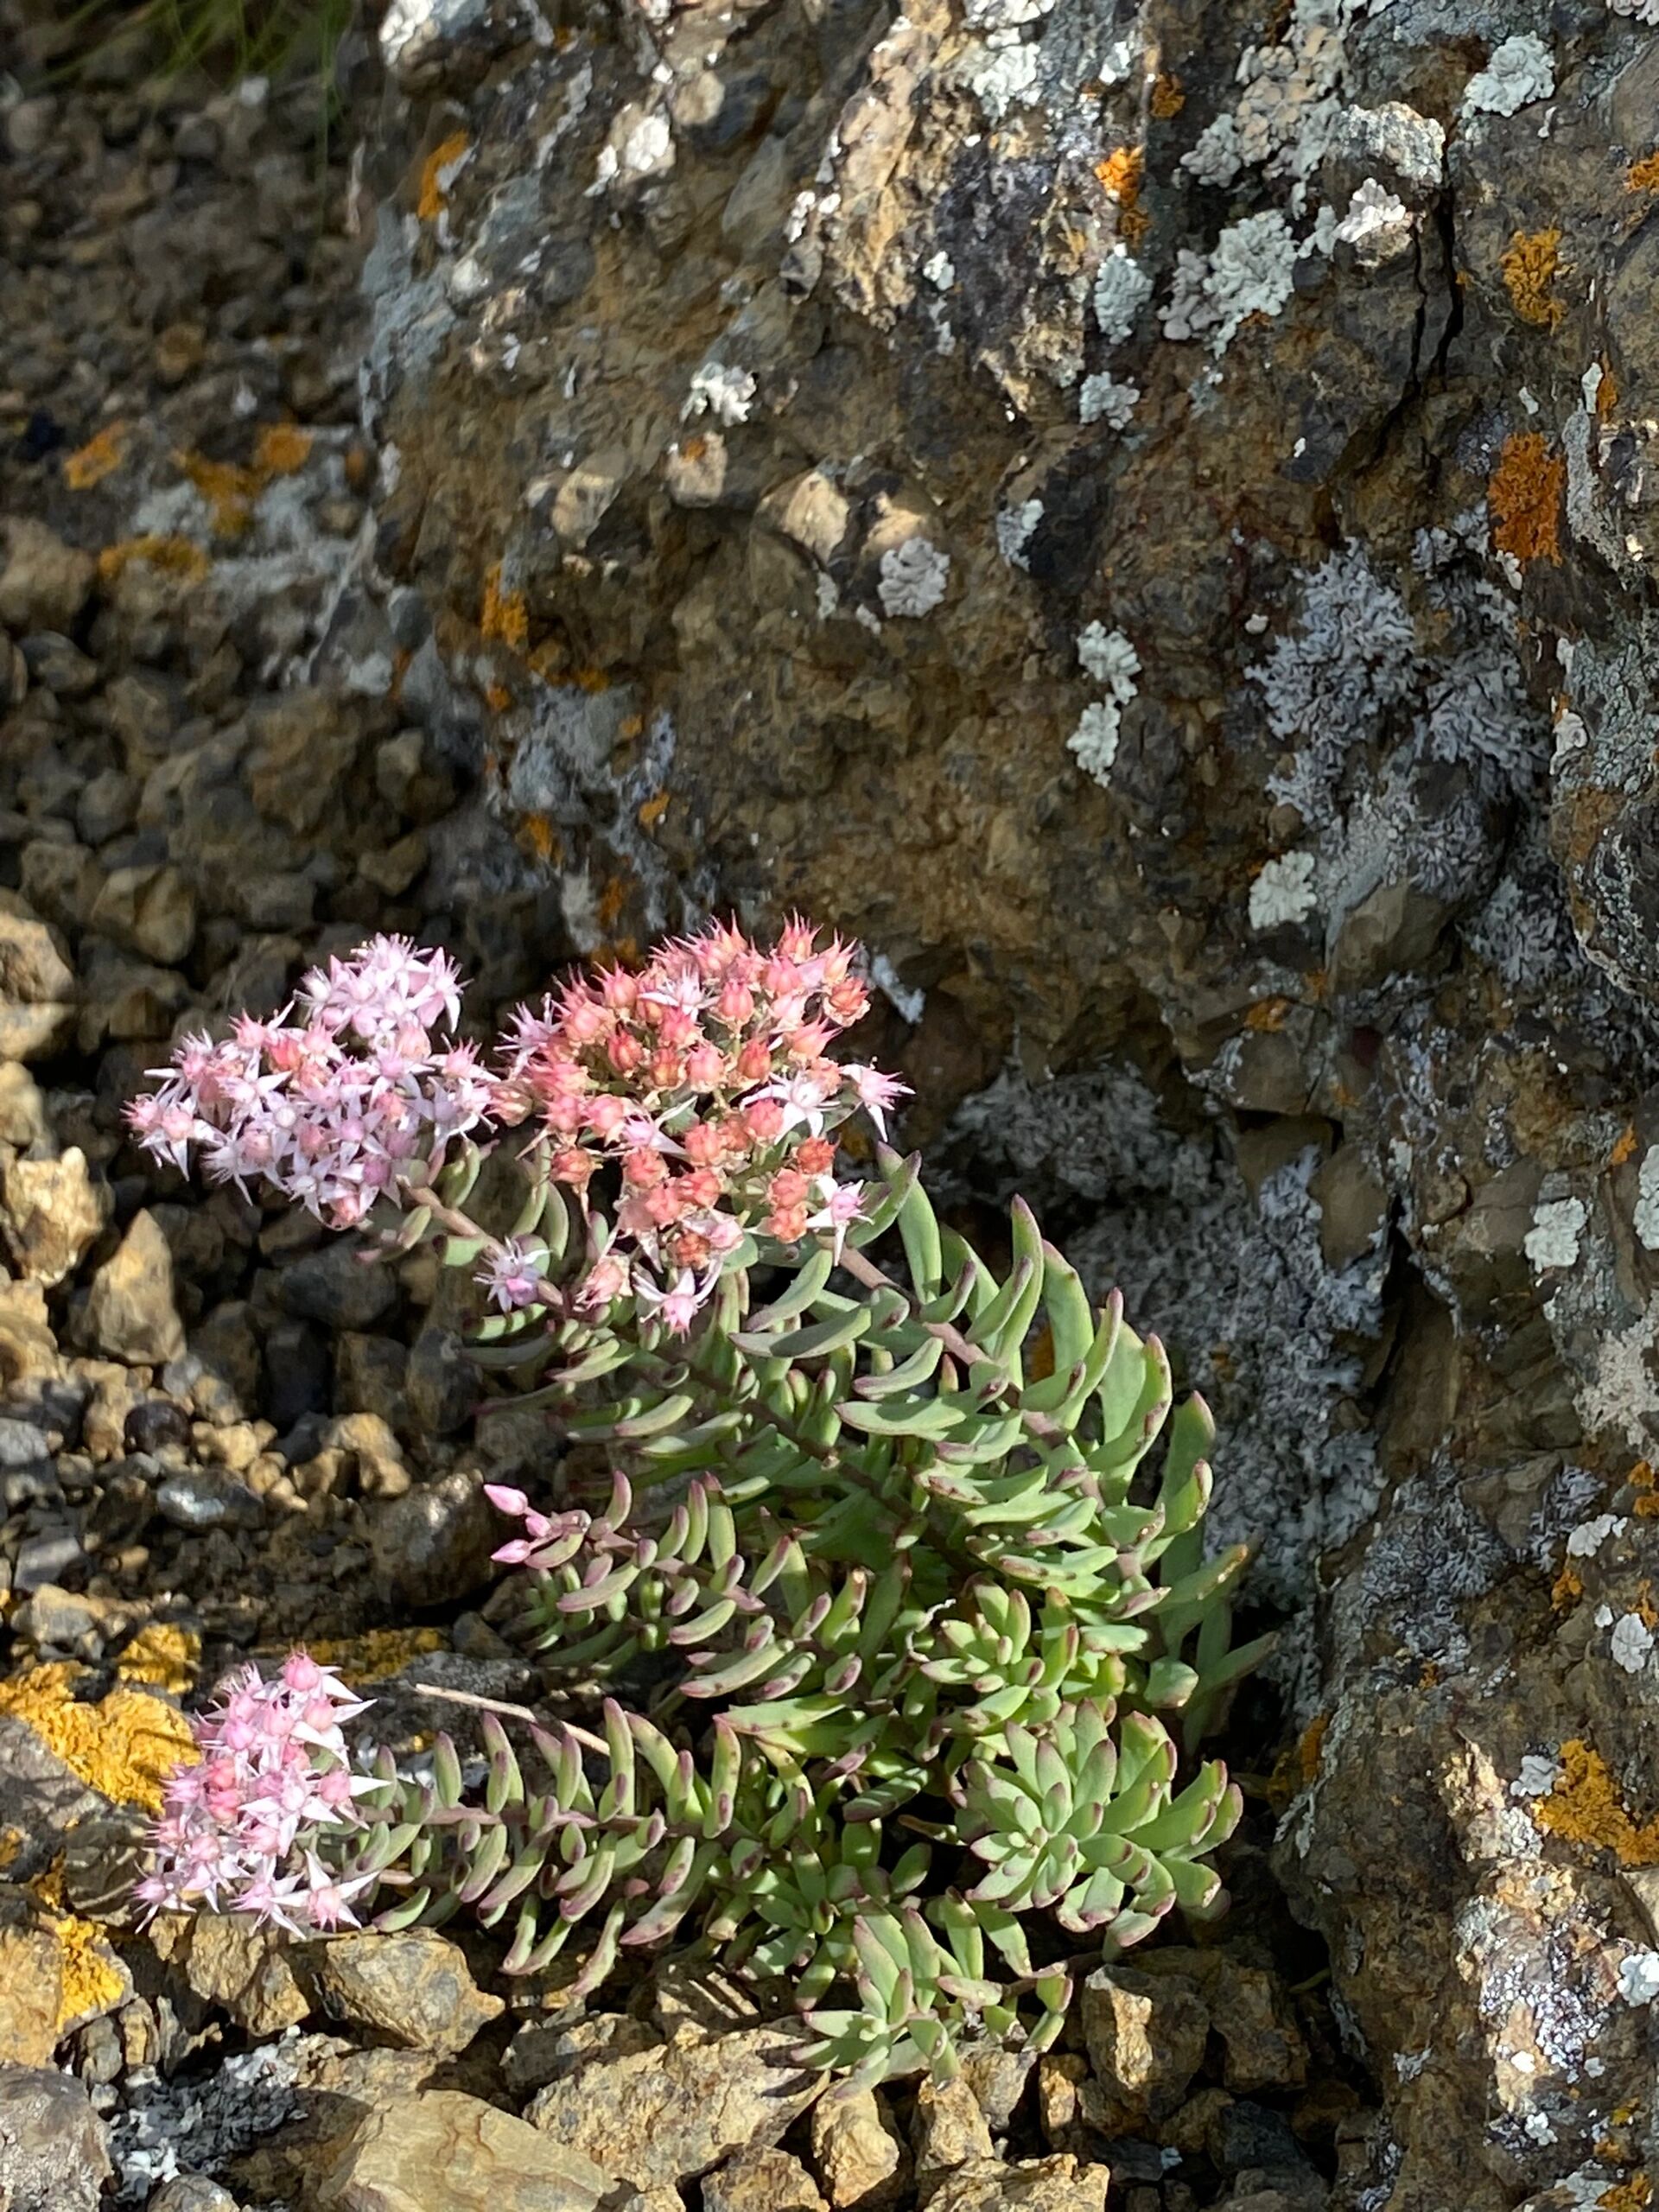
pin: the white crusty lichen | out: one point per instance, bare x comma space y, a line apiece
1638, 1982
1252, 271
1631, 1645
1519, 72
1647, 1199
1290, 109
1104, 399
1013, 528
1552, 1239
1002, 77
1537, 1777
1283, 891
1378, 225
913, 578
1640, 11
718, 388
1094, 742
1122, 289
1110, 658
1587, 1539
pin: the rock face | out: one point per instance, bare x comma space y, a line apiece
1146, 520
441, 2152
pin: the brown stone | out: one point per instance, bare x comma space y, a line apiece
441, 2152
130, 1309
414, 1988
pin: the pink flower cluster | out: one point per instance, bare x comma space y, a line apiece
244, 1828
705, 1079
333, 1110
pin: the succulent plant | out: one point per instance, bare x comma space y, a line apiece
860, 1557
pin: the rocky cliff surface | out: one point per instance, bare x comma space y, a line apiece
1146, 518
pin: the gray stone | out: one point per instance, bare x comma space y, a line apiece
54, 2153
433, 1545
201, 1499
339, 1285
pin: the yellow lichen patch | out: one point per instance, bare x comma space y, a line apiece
162, 1655
125, 1745
1626, 1148
1585, 1806
1643, 175
592, 679
229, 490
435, 196
98, 458
1524, 496
504, 617
1645, 1483
92, 1980
382, 1651
282, 450
11, 1842
1529, 264
177, 557
1168, 97
1567, 1589
1268, 1014
653, 810
497, 698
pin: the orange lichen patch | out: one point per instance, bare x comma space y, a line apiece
1632, 2195
1585, 1806
630, 727
1626, 1148
435, 197
98, 458
283, 449
179, 556
92, 1980
1567, 1589
504, 616
11, 1842
497, 698
1645, 1483
612, 899
125, 1745
1268, 1014
1529, 264
1121, 175
592, 679
542, 837
693, 447
1309, 1746
1606, 392
1168, 97
654, 810
1643, 175
547, 660
229, 490
1524, 495
164, 1656
379, 1653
